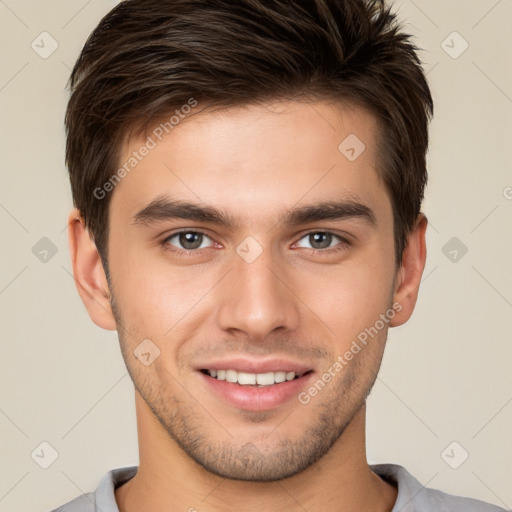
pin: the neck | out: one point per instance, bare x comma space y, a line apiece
168, 479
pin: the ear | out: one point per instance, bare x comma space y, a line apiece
89, 274
411, 270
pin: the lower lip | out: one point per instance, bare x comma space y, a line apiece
253, 398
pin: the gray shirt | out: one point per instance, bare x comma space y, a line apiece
412, 496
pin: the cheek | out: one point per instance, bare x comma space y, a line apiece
156, 299
350, 298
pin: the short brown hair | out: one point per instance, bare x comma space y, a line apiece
148, 57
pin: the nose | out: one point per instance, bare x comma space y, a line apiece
257, 300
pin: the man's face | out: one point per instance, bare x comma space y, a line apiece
269, 291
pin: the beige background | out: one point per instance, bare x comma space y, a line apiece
446, 375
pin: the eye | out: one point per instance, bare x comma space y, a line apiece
188, 240
321, 240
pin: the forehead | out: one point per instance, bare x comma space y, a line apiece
256, 161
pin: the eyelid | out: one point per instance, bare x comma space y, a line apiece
186, 230
343, 239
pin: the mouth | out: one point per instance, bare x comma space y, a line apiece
258, 380
255, 385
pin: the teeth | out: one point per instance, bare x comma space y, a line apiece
265, 379
279, 376
246, 378
251, 379
231, 375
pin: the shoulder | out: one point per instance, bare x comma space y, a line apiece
104, 497
84, 503
415, 497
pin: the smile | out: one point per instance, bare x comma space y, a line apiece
253, 379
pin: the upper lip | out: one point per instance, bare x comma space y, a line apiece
253, 366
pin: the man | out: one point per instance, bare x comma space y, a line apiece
248, 178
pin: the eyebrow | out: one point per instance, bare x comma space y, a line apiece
164, 208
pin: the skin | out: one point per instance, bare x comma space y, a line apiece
254, 163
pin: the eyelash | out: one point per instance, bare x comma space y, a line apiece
344, 243
181, 252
